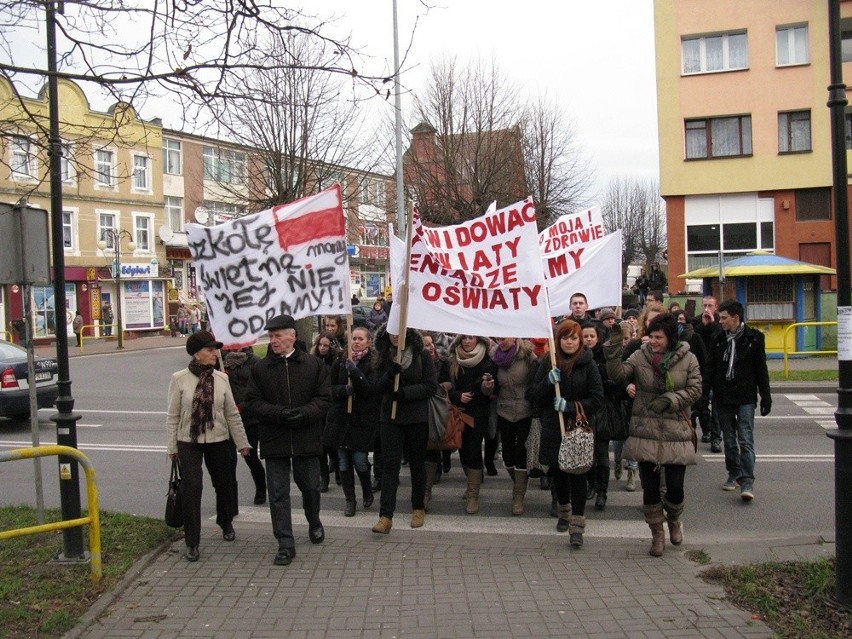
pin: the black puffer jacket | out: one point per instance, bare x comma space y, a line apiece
417, 383
750, 371
354, 430
469, 380
279, 383
583, 385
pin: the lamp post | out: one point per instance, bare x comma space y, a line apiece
115, 235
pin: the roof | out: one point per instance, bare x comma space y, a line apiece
760, 263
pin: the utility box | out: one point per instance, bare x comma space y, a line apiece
24, 245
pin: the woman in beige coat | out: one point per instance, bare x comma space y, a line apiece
666, 381
202, 421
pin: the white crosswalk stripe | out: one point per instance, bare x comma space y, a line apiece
815, 406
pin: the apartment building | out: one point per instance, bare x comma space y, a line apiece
745, 147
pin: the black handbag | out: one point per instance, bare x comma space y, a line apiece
174, 506
611, 423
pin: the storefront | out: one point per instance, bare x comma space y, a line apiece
143, 296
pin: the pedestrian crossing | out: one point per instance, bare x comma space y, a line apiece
821, 410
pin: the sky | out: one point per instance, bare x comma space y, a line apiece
595, 58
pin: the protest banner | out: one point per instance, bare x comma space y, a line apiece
480, 277
288, 259
571, 230
592, 268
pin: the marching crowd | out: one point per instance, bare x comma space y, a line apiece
645, 382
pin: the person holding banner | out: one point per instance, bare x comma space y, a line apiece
516, 365
351, 427
407, 430
668, 382
472, 375
579, 380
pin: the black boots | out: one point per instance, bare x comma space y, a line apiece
347, 481
602, 483
366, 487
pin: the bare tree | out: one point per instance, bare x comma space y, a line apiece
558, 177
634, 205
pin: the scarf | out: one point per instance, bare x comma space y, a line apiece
471, 359
407, 356
357, 356
201, 418
504, 359
731, 351
661, 362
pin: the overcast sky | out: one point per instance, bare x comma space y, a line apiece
596, 58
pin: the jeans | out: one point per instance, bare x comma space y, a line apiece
306, 474
514, 437
617, 447
219, 459
397, 439
346, 459
737, 423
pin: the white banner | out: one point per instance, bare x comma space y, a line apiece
288, 259
592, 268
573, 229
480, 277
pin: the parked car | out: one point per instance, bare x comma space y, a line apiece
14, 388
360, 314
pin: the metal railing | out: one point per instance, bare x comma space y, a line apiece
93, 336
788, 353
93, 518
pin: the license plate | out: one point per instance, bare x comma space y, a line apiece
41, 377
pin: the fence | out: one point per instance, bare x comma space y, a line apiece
788, 353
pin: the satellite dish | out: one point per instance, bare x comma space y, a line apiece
166, 233
201, 215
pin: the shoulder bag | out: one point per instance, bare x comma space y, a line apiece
578, 444
174, 505
439, 414
457, 421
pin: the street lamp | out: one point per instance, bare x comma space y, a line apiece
115, 235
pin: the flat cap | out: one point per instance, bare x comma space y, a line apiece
279, 322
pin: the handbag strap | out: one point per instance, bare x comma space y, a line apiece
581, 412
175, 474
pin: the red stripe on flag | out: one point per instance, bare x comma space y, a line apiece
310, 227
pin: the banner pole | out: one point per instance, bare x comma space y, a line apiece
403, 309
349, 355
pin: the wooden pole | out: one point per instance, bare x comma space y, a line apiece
349, 355
559, 413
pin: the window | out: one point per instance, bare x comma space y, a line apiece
174, 212
791, 45
221, 211
66, 166
68, 230
740, 236
223, 165
702, 237
142, 232
718, 137
770, 298
23, 160
104, 168
848, 120
107, 220
171, 157
794, 131
364, 192
141, 173
711, 53
846, 39
813, 204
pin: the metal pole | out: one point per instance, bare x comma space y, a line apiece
66, 421
117, 243
397, 99
843, 416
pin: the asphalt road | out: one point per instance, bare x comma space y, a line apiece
121, 398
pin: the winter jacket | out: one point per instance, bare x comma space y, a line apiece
750, 372
238, 368
514, 382
469, 380
226, 418
353, 430
661, 438
296, 382
376, 319
417, 383
583, 385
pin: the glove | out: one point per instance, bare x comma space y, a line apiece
554, 376
660, 404
348, 390
394, 369
398, 395
765, 407
615, 333
291, 417
350, 366
561, 405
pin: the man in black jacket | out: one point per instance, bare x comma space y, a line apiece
737, 370
706, 325
289, 393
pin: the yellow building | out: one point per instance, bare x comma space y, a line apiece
111, 181
745, 145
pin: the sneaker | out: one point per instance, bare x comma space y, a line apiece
731, 484
716, 447
705, 438
746, 491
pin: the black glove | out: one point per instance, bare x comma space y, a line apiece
765, 407
350, 366
291, 417
660, 404
348, 390
398, 395
394, 368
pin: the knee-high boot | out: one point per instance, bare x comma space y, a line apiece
519, 491
347, 481
655, 517
673, 513
366, 487
474, 481
431, 473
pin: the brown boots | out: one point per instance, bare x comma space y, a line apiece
655, 517
673, 513
576, 528
383, 526
519, 491
474, 481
